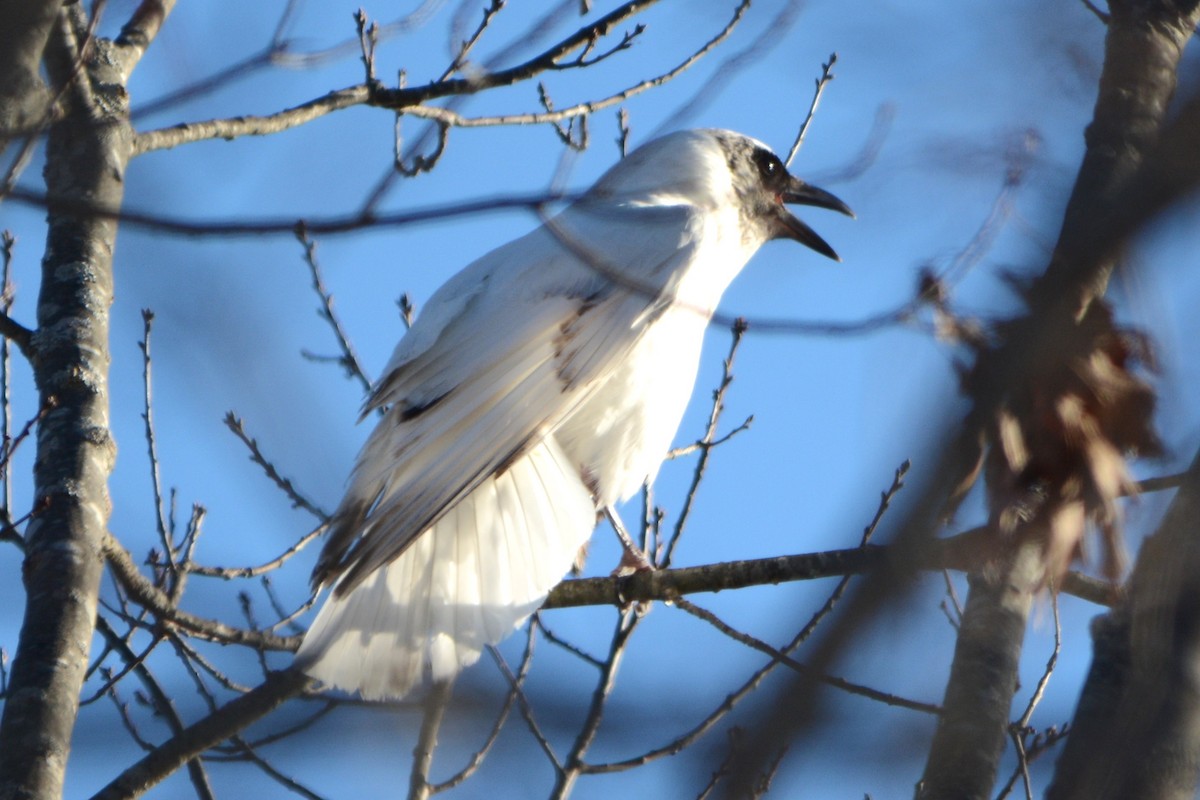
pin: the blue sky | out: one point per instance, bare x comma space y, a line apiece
963, 84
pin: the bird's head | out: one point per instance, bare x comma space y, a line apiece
711, 168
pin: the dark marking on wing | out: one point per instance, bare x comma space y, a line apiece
410, 411
344, 527
568, 330
513, 456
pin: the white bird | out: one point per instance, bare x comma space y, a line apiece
539, 386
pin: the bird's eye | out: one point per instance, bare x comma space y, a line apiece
770, 168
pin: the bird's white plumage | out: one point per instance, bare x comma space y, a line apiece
481, 569
540, 384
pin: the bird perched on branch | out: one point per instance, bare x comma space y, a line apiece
539, 386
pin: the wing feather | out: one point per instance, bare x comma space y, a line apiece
510, 347
466, 583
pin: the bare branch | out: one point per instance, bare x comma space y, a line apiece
588, 107
160, 516
707, 442
574, 765
186, 133
10, 329
526, 710
732, 699
781, 657
163, 707
1100, 15
234, 423
209, 731
140, 31
431, 722
476, 760
158, 603
287, 225
349, 359
411, 100
464, 50
822, 82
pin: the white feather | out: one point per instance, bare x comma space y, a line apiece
542, 383
466, 583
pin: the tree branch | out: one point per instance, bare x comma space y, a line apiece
210, 731
150, 597
967, 551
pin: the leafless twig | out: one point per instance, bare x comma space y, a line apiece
234, 423
623, 132
707, 442
476, 760
431, 722
165, 533
349, 359
10, 329
822, 82
265, 567
468, 44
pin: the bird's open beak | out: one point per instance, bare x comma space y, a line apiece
790, 227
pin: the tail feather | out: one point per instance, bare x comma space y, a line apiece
463, 584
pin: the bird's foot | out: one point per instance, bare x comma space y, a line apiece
633, 559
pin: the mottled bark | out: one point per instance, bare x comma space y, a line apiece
86, 156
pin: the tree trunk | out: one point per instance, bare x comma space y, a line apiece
87, 151
972, 731
1136, 731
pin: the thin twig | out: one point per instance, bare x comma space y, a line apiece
574, 766
247, 753
555, 639
431, 722
952, 594
468, 44
7, 298
10, 329
822, 82
623, 132
477, 758
1051, 663
234, 423
349, 359
268, 566
831, 680
165, 534
706, 443
160, 701
526, 709
1100, 14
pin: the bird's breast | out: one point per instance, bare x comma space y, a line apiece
621, 433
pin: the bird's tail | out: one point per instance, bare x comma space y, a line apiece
463, 584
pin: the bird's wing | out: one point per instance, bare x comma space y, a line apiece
511, 346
